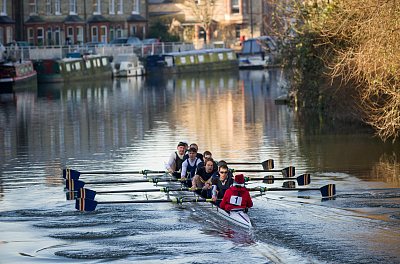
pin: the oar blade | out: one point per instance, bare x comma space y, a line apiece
328, 190
83, 205
74, 185
304, 179
268, 164
289, 171
269, 179
86, 194
71, 174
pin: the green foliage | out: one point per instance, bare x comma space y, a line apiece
159, 30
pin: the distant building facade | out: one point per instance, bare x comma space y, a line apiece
56, 22
7, 24
232, 20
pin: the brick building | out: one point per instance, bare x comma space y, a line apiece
55, 22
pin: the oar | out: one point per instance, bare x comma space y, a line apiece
303, 179
74, 174
326, 191
90, 205
90, 194
73, 185
266, 164
286, 172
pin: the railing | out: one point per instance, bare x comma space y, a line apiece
58, 52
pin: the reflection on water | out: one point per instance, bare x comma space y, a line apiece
130, 124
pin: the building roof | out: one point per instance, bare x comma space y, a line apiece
74, 19
6, 20
34, 19
97, 18
136, 18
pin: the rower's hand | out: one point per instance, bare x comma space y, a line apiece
207, 185
214, 198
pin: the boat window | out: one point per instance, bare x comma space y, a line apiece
105, 61
201, 58
183, 60
130, 65
191, 59
77, 65
220, 56
169, 61
98, 63
230, 55
60, 67
68, 67
88, 64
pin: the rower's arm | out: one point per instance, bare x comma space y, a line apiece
184, 169
171, 162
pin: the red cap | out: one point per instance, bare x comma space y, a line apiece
239, 179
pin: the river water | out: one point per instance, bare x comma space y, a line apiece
135, 124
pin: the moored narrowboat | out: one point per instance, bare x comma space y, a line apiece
72, 69
16, 75
192, 61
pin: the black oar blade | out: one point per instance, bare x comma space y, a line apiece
74, 185
71, 195
82, 204
304, 179
269, 179
328, 190
86, 194
268, 164
71, 174
289, 171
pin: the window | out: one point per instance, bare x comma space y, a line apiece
72, 7
40, 36
112, 33
49, 37
119, 32
96, 7
2, 35
133, 30
79, 34
57, 36
111, 7
120, 7
237, 31
103, 34
94, 34
48, 7
57, 7
135, 6
32, 7
235, 7
9, 34
3, 9
31, 35
70, 35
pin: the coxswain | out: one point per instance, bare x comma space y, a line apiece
220, 183
237, 196
176, 159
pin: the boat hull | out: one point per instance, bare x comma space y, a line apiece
17, 76
192, 61
68, 70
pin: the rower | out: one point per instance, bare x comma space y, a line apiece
189, 166
207, 154
176, 159
202, 179
237, 196
199, 155
220, 184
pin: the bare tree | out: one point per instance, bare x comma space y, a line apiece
203, 12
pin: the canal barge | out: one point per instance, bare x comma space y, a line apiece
17, 75
73, 69
192, 61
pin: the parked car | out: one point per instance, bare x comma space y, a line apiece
135, 41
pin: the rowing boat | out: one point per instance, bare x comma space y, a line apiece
237, 217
